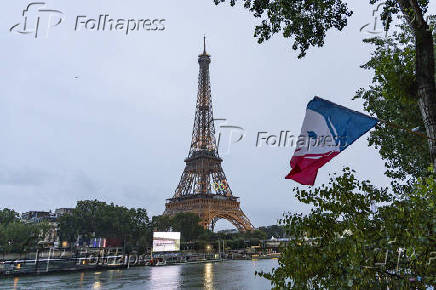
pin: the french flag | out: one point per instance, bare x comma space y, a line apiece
328, 129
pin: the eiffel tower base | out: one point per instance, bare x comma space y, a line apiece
210, 208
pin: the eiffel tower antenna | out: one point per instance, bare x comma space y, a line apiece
203, 188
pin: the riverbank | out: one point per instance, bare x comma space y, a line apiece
95, 263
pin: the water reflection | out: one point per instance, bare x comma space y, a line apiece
82, 276
97, 285
208, 276
16, 279
226, 275
165, 277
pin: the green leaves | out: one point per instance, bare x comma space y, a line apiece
306, 22
99, 219
360, 235
7, 216
188, 225
17, 237
392, 97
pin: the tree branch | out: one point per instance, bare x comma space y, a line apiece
413, 14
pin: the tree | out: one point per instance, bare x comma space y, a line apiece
99, 219
346, 241
307, 21
188, 225
141, 227
69, 227
17, 237
392, 97
161, 223
273, 231
7, 216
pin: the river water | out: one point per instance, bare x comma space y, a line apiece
221, 275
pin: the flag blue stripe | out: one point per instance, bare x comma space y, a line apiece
348, 124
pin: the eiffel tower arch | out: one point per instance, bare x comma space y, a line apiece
203, 188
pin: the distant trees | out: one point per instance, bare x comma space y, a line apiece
7, 216
99, 219
93, 218
192, 231
133, 227
188, 225
161, 223
276, 231
241, 240
195, 237
16, 236
185, 223
129, 228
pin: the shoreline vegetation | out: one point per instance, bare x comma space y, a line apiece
98, 235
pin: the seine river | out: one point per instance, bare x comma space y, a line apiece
222, 275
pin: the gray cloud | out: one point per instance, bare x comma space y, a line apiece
22, 177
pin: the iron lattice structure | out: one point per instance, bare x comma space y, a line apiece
203, 188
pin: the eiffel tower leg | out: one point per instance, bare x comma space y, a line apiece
213, 223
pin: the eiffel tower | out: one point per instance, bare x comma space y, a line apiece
203, 187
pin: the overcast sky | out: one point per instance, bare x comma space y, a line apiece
109, 116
